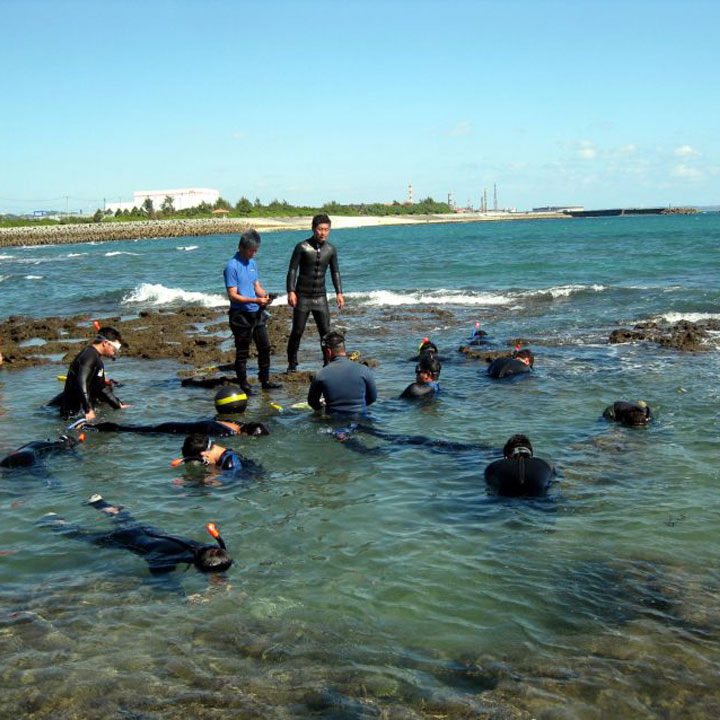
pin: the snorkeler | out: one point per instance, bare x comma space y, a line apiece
426, 348
202, 449
86, 384
519, 474
478, 336
33, 452
627, 413
427, 374
161, 551
519, 363
228, 402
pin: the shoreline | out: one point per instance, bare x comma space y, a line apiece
107, 232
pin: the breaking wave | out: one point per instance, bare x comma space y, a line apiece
187, 248
673, 317
152, 294
112, 253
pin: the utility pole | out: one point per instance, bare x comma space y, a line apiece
494, 197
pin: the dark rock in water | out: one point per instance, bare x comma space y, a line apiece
682, 335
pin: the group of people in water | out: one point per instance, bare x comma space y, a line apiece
342, 388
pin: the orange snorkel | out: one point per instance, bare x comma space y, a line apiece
212, 529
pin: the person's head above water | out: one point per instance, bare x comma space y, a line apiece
107, 341
334, 343
321, 227
428, 368
628, 413
202, 449
212, 559
230, 401
526, 356
518, 446
427, 347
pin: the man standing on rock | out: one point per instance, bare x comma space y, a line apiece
306, 285
248, 300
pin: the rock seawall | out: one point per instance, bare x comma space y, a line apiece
104, 232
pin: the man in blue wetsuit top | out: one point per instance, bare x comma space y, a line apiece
247, 315
346, 387
306, 285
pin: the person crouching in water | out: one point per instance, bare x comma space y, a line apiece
86, 384
426, 385
161, 551
519, 473
519, 363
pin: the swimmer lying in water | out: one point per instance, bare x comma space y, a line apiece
202, 449
519, 474
627, 413
521, 362
228, 402
33, 453
162, 552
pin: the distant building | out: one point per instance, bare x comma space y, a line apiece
558, 209
182, 199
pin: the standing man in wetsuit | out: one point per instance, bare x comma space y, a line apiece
306, 285
248, 300
86, 383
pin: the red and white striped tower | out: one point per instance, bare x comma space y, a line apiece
410, 193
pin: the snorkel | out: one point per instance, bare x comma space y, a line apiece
211, 527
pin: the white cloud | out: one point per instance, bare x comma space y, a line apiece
462, 129
239, 135
686, 173
686, 151
587, 150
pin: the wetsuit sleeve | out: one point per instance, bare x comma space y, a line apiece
109, 397
370, 389
85, 372
293, 269
335, 272
314, 394
230, 460
254, 428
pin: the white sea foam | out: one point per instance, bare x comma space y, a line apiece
187, 248
75, 254
674, 317
3, 278
561, 291
112, 253
6, 257
428, 297
33, 277
152, 294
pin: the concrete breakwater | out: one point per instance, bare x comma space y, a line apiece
103, 232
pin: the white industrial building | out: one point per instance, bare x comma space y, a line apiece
182, 199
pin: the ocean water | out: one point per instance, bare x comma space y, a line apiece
386, 583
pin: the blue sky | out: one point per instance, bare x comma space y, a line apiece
601, 104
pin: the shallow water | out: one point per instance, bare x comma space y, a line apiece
387, 584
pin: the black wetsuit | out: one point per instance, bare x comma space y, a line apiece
30, 454
161, 551
628, 413
214, 428
521, 476
418, 390
306, 278
85, 385
504, 367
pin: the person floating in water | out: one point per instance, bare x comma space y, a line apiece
229, 402
248, 318
519, 473
86, 384
345, 386
162, 552
306, 285
202, 449
32, 453
519, 363
628, 413
478, 336
426, 385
